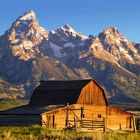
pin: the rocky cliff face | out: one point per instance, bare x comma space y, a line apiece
28, 53
24, 36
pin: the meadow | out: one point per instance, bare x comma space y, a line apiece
38, 132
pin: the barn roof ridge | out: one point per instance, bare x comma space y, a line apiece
71, 80
68, 81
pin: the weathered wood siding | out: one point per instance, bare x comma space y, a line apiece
92, 94
60, 117
118, 119
114, 118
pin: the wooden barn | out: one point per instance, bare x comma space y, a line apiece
79, 104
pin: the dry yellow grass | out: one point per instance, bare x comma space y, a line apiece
37, 132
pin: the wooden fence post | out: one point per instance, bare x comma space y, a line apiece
67, 115
134, 124
81, 116
103, 124
81, 113
75, 123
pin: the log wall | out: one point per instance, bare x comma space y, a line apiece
114, 118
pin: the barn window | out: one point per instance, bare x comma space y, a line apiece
99, 115
83, 116
53, 121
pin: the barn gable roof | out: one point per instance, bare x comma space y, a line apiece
57, 92
71, 84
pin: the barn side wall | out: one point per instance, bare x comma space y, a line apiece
60, 117
114, 118
92, 94
118, 119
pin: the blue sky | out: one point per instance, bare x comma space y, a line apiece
86, 16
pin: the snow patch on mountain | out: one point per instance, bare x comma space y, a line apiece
123, 51
68, 28
15, 42
69, 44
81, 43
57, 50
28, 16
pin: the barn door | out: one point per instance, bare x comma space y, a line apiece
128, 122
51, 121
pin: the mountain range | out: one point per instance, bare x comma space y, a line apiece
29, 53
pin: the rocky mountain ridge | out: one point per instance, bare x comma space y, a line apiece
29, 53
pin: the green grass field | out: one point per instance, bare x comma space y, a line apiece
37, 132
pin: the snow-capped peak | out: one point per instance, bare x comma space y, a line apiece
30, 15
114, 34
67, 27
69, 31
109, 30
111, 34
